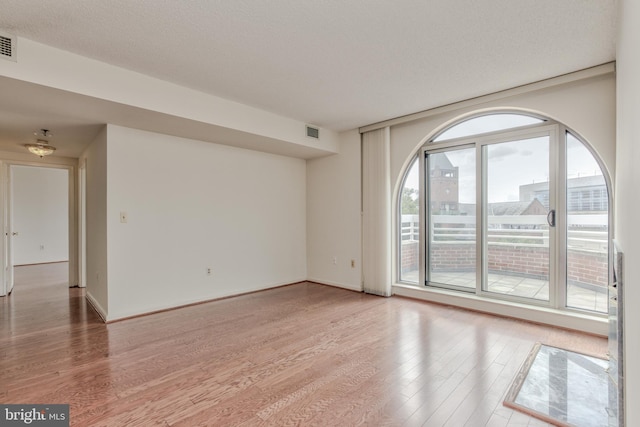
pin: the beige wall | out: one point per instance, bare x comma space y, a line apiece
193, 205
333, 215
627, 200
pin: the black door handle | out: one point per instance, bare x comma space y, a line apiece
551, 218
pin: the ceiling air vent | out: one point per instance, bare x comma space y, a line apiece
8, 47
313, 132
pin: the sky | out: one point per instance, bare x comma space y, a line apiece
510, 164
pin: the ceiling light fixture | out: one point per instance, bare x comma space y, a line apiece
41, 147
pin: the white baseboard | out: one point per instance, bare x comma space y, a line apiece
142, 311
96, 306
335, 284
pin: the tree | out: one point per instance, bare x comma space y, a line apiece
410, 201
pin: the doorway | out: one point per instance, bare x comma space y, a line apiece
37, 219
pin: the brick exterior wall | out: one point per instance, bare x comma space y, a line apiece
458, 257
522, 260
409, 256
519, 260
587, 267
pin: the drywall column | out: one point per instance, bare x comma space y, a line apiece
95, 158
334, 219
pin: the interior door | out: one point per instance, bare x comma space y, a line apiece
518, 222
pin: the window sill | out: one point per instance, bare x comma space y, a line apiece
582, 322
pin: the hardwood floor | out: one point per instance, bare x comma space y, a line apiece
304, 354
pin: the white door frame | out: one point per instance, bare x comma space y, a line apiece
74, 242
82, 223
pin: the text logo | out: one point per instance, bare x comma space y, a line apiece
34, 415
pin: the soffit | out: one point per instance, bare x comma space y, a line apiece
336, 64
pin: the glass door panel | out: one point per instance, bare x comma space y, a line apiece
451, 217
517, 217
587, 230
410, 226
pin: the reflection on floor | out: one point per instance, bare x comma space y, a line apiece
581, 297
564, 386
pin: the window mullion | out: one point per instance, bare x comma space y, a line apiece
423, 212
481, 241
560, 257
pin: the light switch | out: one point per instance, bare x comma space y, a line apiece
123, 217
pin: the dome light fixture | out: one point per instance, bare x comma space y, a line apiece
41, 147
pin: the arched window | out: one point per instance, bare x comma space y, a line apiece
510, 206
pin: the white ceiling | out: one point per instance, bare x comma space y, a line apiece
338, 64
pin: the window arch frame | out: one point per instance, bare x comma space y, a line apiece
428, 143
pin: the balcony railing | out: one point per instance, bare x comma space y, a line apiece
584, 232
517, 245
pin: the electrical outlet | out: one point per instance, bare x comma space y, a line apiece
335, 260
209, 271
353, 263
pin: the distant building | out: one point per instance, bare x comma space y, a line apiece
533, 207
584, 194
443, 188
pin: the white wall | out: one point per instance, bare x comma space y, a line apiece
193, 205
95, 157
333, 216
627, 200
40, 214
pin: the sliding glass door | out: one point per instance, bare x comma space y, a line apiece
518, 218
451, 200
491, 215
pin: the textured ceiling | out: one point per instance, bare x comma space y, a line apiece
338, 64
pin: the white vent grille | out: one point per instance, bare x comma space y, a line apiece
7, 47
313, 132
